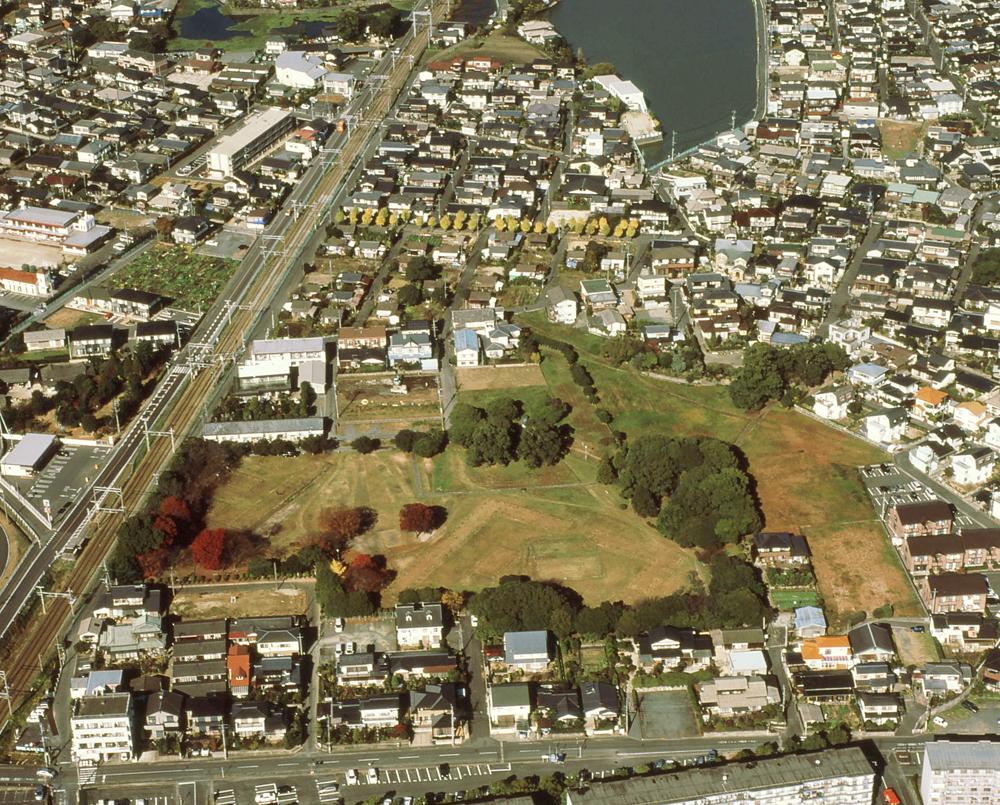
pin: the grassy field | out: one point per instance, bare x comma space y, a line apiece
508, 49
191, 280
788, 600
67, 318
805, 473
482, 378
577, 534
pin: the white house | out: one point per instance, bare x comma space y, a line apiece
510, 705
466, 348
563, 307
973, 466
832, 401
887, 426
419, 625
299, 69
102, 728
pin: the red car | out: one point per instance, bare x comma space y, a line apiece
890, 797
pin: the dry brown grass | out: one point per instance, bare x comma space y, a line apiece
67, 318
16, 543
807, 481
488, 378
901, 137
259, 601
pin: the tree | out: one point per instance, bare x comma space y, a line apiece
153, 563
365, 445
645, 503
420, 269
409, 295
758, 380
340, 524
541, 445
367, 573
209, 548
418, 518
429, 444
404, 440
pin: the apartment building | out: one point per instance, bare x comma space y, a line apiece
960, 773
833, 777
918, 519
260, 131
954, 592
102, 728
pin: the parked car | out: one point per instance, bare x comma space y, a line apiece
338, 625
372, 776
970, 706
352, 777
940, 721
917, 629
349, 647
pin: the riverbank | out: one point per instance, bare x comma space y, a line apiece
200, 23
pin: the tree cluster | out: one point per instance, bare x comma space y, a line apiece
768, 373
149, 541
419, 518
284, 406
986, 270
76, 402
736, 597
425, 445
695, 486
336, 600
506, 430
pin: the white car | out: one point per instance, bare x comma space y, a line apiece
372, 776
352, 777
474, 621
940, 721
184, 170
349, 647
338, 625
339, 649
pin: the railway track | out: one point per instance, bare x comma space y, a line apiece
185, 394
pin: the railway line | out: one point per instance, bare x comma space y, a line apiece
181, 399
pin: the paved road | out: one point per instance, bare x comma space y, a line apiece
842, 293
978, 517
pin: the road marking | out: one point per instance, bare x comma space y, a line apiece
414, 757
248, 767
456, 754
288, 764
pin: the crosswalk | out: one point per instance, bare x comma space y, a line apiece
225, 796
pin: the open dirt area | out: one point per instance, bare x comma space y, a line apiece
373, 397
901, 137
496, 45
241, 602
67, 318
575, 535
17, 253
915, 648
483, 378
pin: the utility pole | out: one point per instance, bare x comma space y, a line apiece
5, 694
732, 120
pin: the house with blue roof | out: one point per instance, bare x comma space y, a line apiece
528, 651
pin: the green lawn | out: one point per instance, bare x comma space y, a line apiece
793, 599
191, 280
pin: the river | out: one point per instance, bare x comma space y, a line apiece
695, 60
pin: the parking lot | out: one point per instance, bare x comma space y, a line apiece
666, 714
10, 794
888, 487
379, 632
63, 478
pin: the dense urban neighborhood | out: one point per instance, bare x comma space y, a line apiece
391, 412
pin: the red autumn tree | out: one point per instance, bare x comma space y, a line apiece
209, 548
153, 563
166, 526
340, 524
417, 517
367, 573
175, 507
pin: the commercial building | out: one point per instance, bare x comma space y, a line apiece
102, 728
29, 455
833, 777
960, 773
76, 232
259, 132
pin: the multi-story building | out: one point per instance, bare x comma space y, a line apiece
258, 132
960, 773
419, 625
835, 777
102, 728
955, 592
918, 519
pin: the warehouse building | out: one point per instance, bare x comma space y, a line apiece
259, 131
293, 430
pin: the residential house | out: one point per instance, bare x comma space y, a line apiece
600, 704
206, 715
736, 695
943, 678
966, 632
879, 708
510, 706
238, 668
887, 426
954, 592
419, 625
827, 653
872, 642
527, 651
915, 519
164, 715
780, 548
562, 305
973, 466
669, 646
809, 622
832, 402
